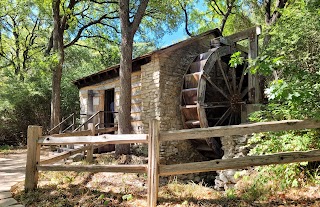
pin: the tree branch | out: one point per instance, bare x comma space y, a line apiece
78, 36
139, 15
218, 10
230, 6
183, 7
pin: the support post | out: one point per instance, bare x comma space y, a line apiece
253, 79
33, 157
89, 157
153, 162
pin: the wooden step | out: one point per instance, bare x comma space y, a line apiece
192, 124
190, 112
197, 66
205, 55
190, 96
191, 80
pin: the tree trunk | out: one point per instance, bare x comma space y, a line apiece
56, 65
124, 121
128, 29
55, 96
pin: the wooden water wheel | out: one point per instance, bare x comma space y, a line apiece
212, 95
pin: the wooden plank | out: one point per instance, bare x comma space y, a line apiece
197, 66
153, 164
190, 96
190, 112
63, 155
240, 163
243, 129
101, 139
191, 80
95, 168
33, 157
245, 34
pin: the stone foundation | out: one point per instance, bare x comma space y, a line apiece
233, 147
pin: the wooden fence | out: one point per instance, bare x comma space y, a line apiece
154, 169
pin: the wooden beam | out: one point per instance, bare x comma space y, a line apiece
101, 139
243, 129
240, 163
63, 155
89, 155
254, 94
95, 168
33, 157
245, 34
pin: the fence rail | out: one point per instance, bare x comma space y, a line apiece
154, 169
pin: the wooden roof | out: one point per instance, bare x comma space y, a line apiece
113, 71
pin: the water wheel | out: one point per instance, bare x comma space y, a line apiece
212, 95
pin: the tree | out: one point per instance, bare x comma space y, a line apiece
129, 26
293, 51
272, 17
77, 18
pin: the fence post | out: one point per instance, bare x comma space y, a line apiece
89, 157
153, 163
33, 157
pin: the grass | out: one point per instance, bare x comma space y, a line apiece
130, 190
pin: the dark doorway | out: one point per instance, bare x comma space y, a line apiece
109, 108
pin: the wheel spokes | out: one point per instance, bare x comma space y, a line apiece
234, 79
224, 76
242, 77
215, 86
223, 117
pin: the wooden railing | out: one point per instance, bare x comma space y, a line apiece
96, 123
154, 168
71, 126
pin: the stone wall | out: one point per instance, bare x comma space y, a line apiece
92, 100
150, 94
233, 147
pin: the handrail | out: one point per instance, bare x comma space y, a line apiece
91, 117
63, 121
66, 129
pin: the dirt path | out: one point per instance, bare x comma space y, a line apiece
12, 170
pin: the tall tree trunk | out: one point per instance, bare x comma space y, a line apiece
124, 122
128, 29
57, 64
125, 92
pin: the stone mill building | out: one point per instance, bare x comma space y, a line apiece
189, 84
